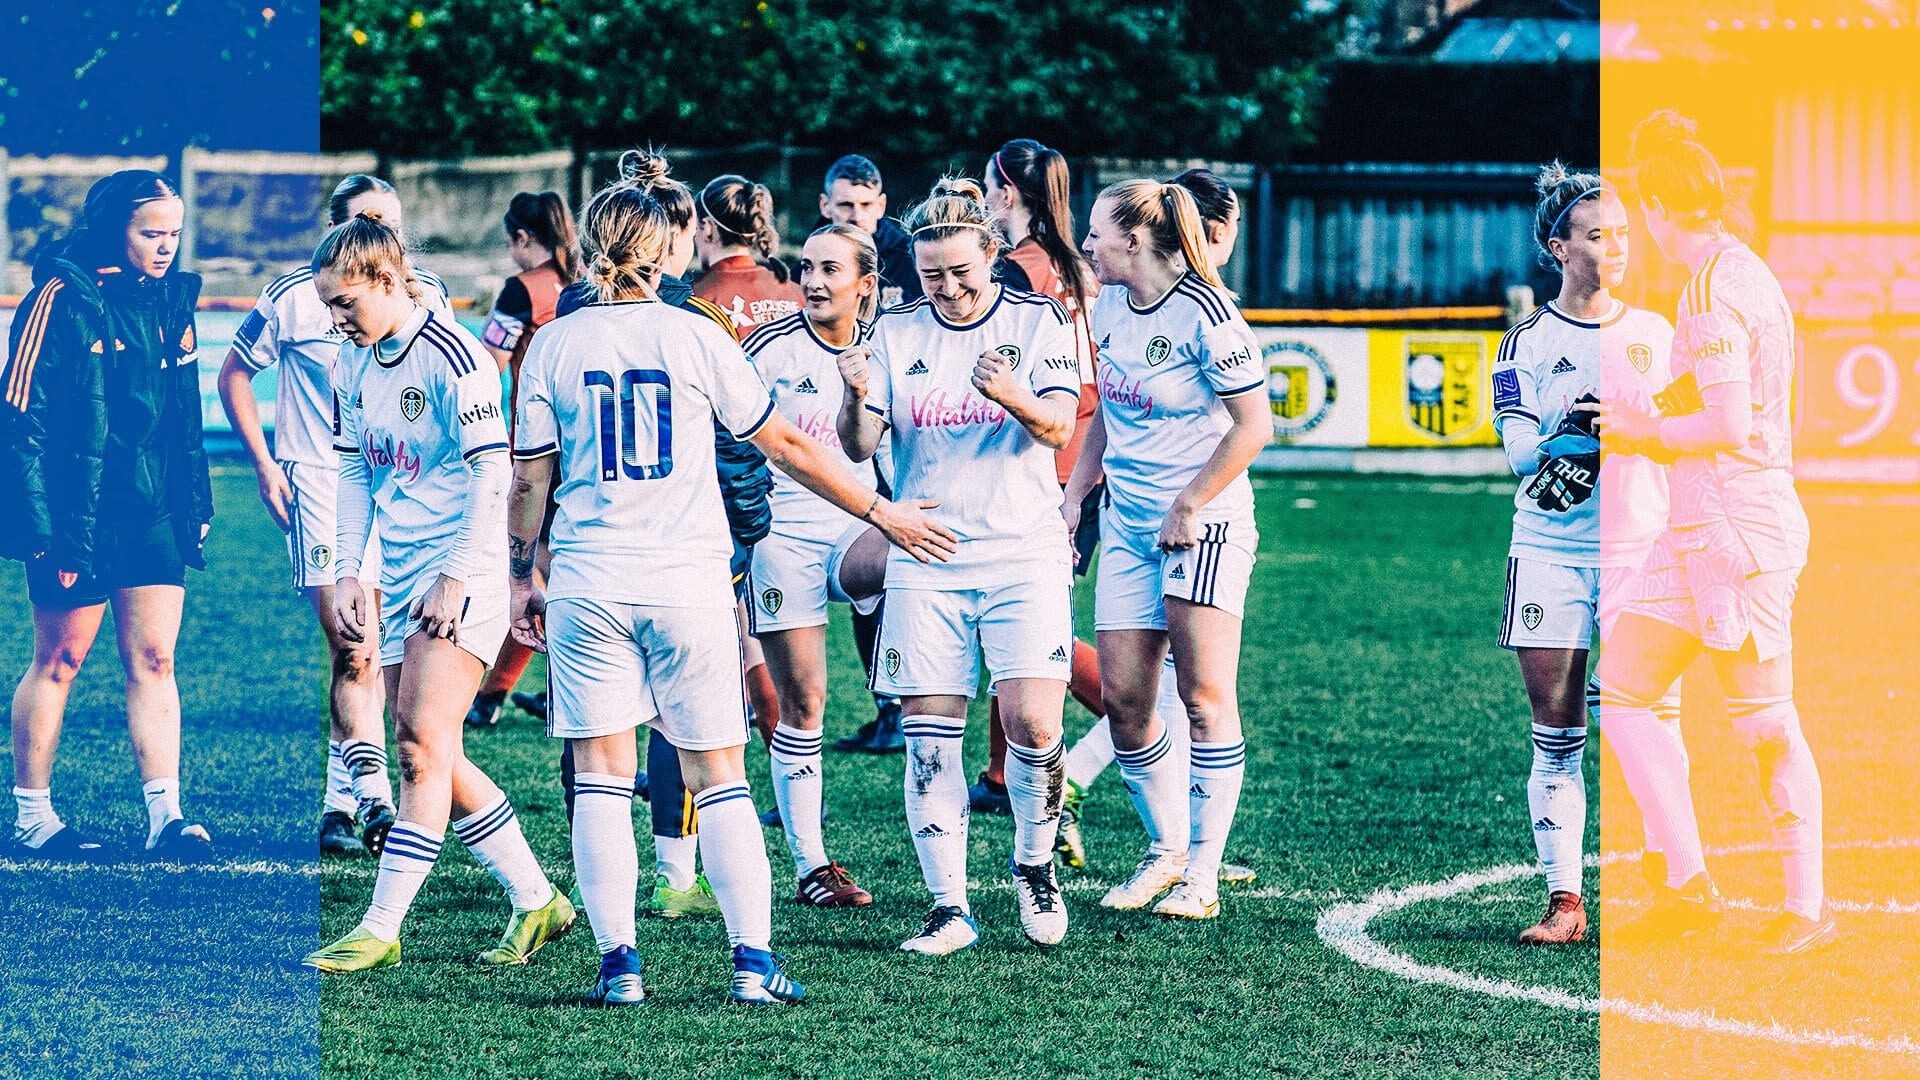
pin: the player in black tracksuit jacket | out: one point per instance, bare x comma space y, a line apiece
105, 475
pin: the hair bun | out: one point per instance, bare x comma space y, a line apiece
961, 187
1665, 127
1552, 175
373, 215
643, 166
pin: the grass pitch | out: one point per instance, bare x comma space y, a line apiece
1387, 742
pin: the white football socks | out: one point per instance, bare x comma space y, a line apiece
367, 768
1156, 781
676, 859
493, 836
339, 780
1036, 784
1557, 804
936, 787
1653, 760
405, 863
735, 853
1217, 772
795, 762
34, 820
606, 860
1091, 755
163, 805
1770, 727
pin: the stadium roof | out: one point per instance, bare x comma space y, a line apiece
1517, 32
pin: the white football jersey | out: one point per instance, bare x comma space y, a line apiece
803, 374
1547, 361
1735, 325
1165, 372
417, 407
628, 394
290, 326
996, 485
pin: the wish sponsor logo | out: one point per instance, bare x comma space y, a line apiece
938, 410
1709, 349
383, 451
1060, 363
486, 410
1119, 390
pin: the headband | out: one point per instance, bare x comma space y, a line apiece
1565, 210
1002, 170
954, 225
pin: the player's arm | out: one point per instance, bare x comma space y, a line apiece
1045, 398
907, 526
1252, 427
1516, 408
353, 524
1723, 377
863, 416
256, 347
512, 311
536, 456
1089, 466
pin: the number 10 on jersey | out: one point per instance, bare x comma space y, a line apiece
619, 436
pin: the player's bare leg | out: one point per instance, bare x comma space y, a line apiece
797, 663
762, 697
1205, 642
62, 638
1556, 682
357, 699
147, 625
1031, 710
1155, 775
863, 577
1642, 659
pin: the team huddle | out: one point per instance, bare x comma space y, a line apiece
935, 422
597, 519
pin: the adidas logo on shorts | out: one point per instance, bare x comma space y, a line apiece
919, 367
929, 831
1059, 654
806, 386
1179, 573
1563, 366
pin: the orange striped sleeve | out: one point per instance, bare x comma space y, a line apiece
26, 355
712, 311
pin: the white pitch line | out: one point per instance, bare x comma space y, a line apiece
1343, 928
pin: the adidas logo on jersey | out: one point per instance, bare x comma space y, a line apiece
1059, 654
929, 831
806, 387
1563, 366
1545, 825
1179, 572
919, 367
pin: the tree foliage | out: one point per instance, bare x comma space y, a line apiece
1167, 78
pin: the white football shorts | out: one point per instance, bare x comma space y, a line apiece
612, 667
932, 641
1549, 606
1135, 577
310, 536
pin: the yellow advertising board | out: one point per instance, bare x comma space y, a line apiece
1430, 387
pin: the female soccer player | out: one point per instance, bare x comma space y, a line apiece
1549, 369
1089, 757
1721, 578
740, 252
744, 482
619, 402
541, 242
423, 453
1029, 191
108, 494
977, 383
1180, 423
299, 481
788, 590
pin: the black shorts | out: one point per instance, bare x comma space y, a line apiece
1087, 537
149, 556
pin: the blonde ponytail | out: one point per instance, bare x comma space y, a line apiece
1171, 219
